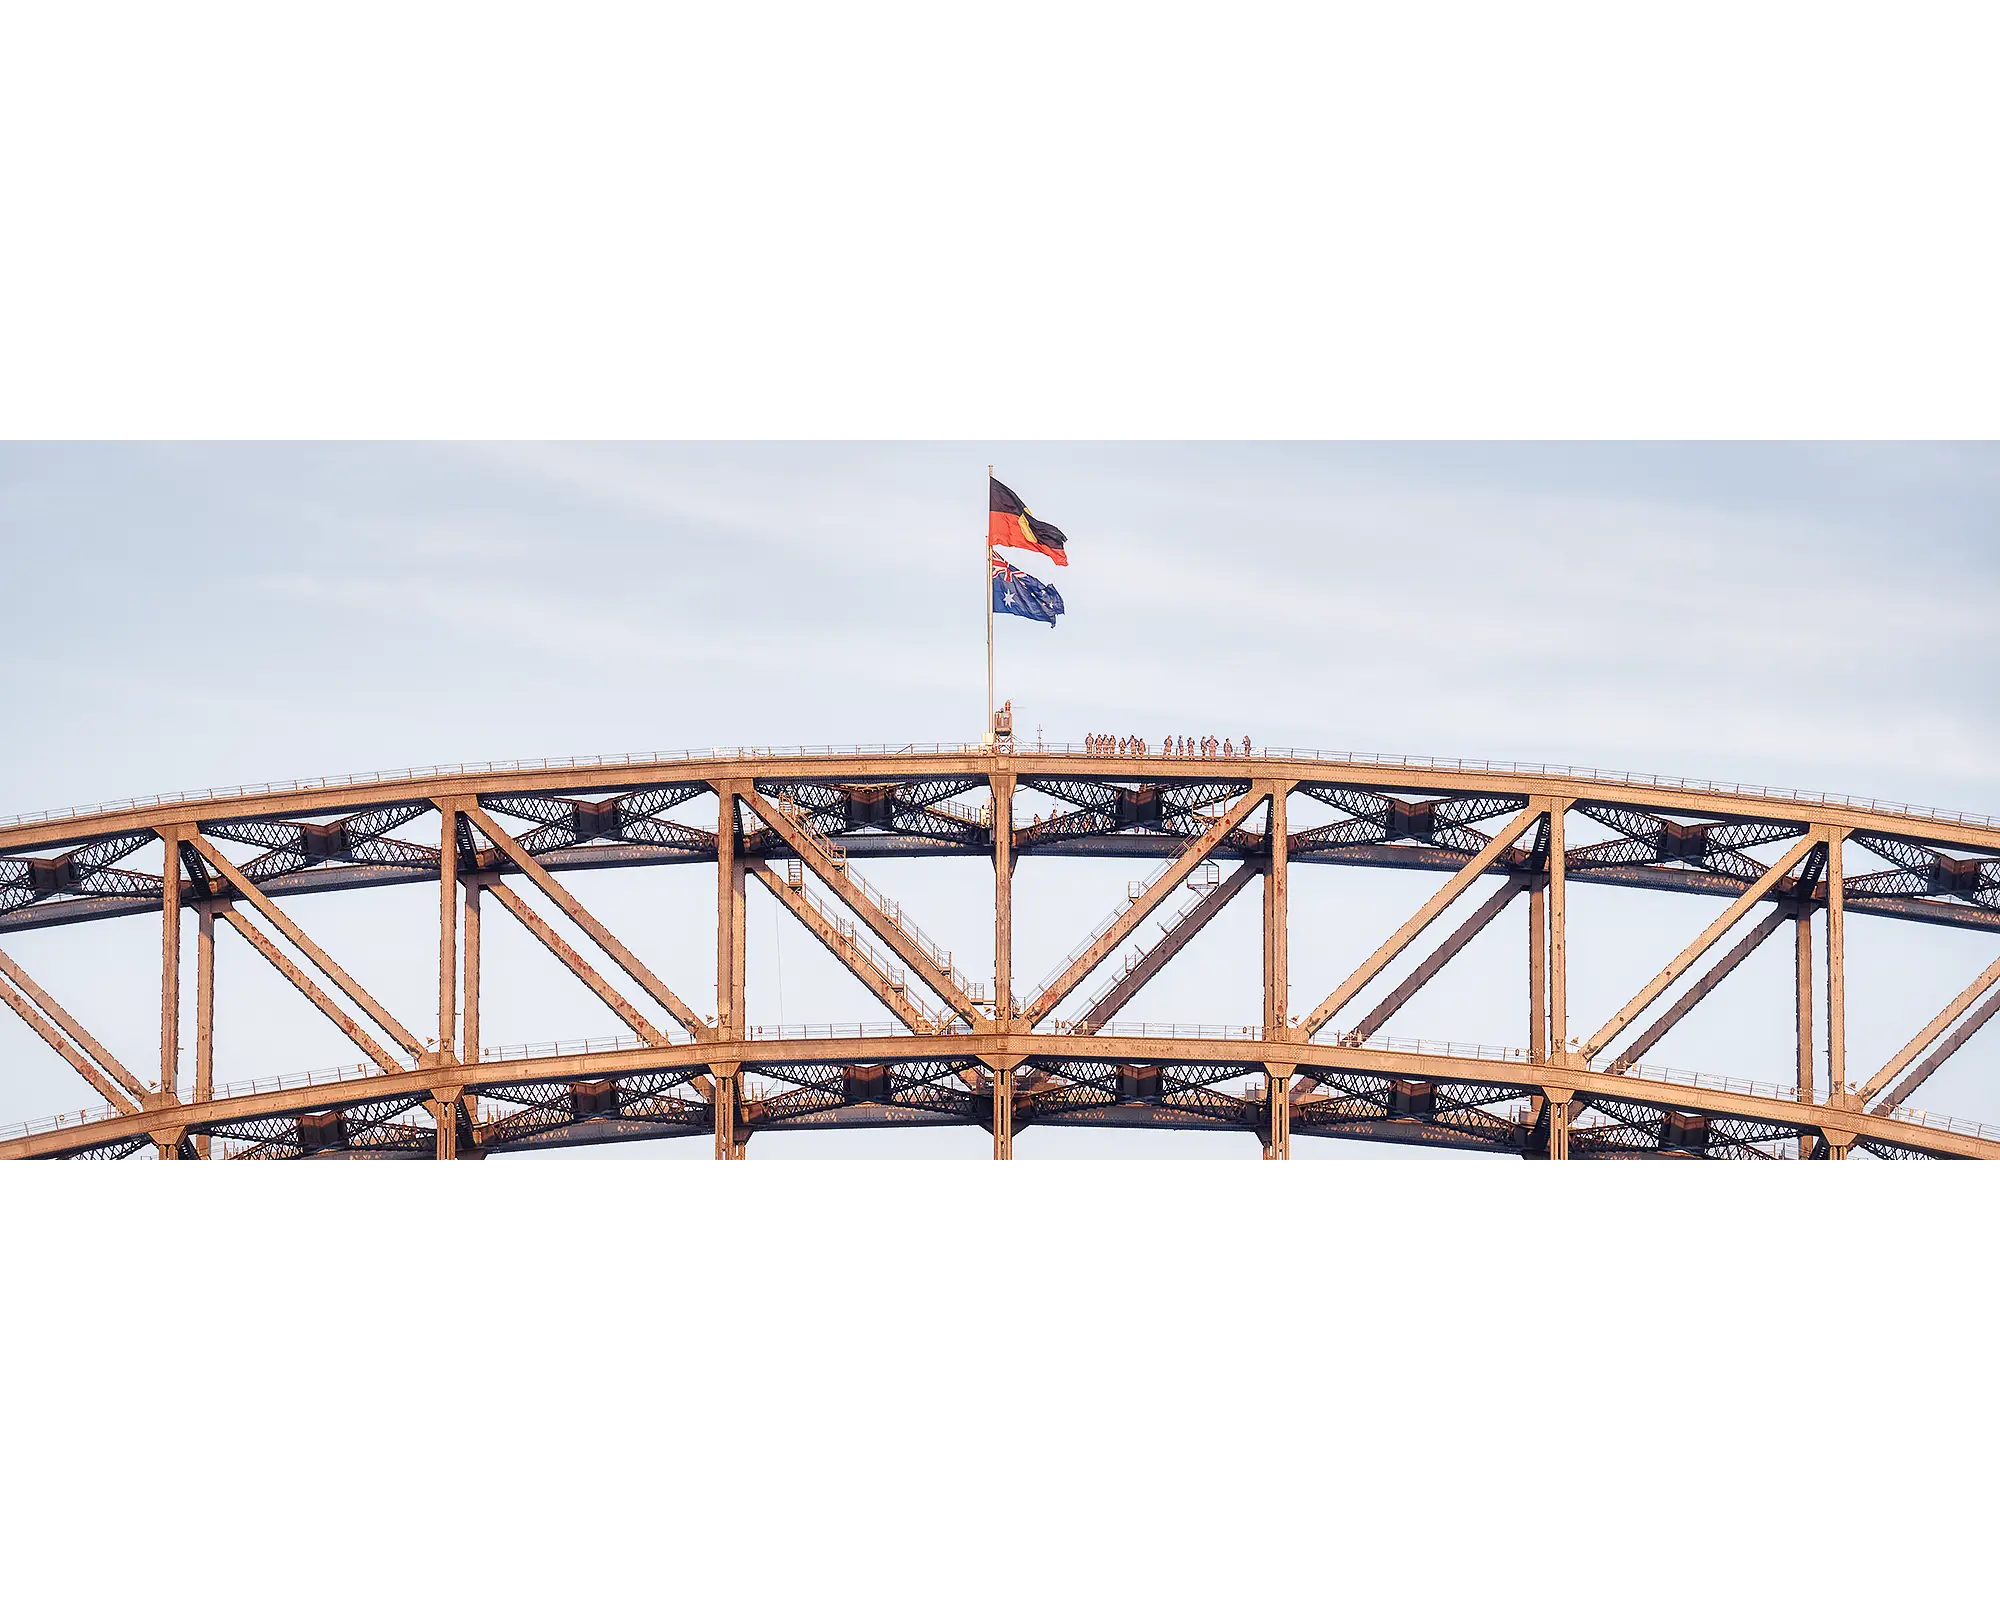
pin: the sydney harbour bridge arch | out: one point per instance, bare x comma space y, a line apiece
949, 1050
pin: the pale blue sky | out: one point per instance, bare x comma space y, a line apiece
1806, 615
1796, 614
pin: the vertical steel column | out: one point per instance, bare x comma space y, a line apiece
1538, 975
447, 1028
729, 975
1003, 1107
1002, 787
727, 1147
739, 944
1277, 928
1278, 1085
469, 1034
1278, 978
170, 965
444, 1103
204, 1013
1836, 970
1803, 987
1558, 935
1548, 974
1003, 899
444, 1110
1559, 1110
728, 915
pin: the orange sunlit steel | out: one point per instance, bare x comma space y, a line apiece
955, 1049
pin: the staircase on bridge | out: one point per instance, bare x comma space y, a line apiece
829, 860
831, 923
1205, 878
1204, 883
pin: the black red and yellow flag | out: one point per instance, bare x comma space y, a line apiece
1011, 523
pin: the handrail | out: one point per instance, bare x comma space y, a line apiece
833, 858
1200, 888
1099, 930
1405, 763
893, 973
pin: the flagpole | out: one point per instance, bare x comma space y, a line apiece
986, 590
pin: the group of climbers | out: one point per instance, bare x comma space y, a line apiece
1179, 746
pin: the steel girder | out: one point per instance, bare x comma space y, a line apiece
1096, 807
1342, 1100
1380, 818
1653, 840
650, 1099
1623, 1128
1055, 1089
1923, 872
1130, 1082
1946, 872
371, 1128
365, 838
1658, 850
635, 818
1893, 1152
87, 872
934, 1086
922, 810
115, 1150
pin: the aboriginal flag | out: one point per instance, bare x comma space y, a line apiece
1010, 522
1016, 594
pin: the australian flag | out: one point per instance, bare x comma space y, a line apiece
1017, 594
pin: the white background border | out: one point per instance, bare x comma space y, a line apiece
1039, 221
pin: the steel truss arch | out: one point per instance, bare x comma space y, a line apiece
961, 1051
